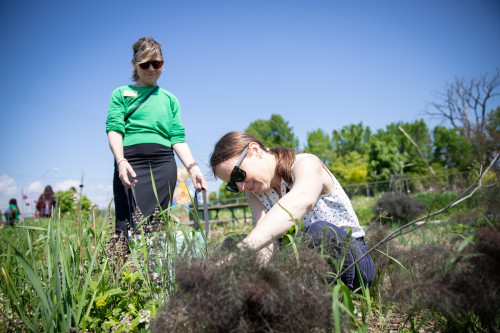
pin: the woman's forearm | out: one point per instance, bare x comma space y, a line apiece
116, 144
271, 226
184, 153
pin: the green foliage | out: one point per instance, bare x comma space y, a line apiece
212, 196
492, 140
274, 132
452, 149
67, 204
60, 277
391, 153
351, 168
363, 207
352, 138
319, 144
438, 200
127, 308
52, 270
384, 159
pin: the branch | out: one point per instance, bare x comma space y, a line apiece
463, 196
418, 149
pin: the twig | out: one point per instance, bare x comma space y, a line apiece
463, 196
418, 149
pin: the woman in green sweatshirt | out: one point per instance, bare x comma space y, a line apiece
144, 129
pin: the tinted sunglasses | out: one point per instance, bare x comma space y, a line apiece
237, 175
157, 64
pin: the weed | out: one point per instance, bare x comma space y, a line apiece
245, 296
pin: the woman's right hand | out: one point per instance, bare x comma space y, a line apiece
124, 169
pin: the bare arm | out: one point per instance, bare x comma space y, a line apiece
298, 202
124, 168
182, 150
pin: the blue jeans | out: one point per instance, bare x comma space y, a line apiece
332, 238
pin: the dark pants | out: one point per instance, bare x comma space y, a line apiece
331, 238
144, 159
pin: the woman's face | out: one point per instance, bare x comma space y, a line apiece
149, 75
258, 167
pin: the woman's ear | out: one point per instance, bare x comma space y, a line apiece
255, 148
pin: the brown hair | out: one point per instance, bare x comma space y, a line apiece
233, 143
145, 49
48, 189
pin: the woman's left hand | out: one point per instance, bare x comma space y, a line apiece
198, 179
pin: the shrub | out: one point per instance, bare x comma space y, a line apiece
463, 290
245, 296
399, 206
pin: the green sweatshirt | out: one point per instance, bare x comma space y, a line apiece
158, 120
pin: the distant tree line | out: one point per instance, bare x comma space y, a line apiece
355, 154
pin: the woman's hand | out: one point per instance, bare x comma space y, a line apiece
198, 179
124, 169
184, 153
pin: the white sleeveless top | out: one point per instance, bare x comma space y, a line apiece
334, 207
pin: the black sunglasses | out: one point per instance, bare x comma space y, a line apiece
237, 175
157, 64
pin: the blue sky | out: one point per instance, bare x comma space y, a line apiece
319, 64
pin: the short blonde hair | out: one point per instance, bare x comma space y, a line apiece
144, 50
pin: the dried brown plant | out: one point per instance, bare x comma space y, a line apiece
246, 296
455, 286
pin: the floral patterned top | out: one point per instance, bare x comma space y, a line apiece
334, 207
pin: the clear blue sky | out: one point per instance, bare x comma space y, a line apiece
319, 64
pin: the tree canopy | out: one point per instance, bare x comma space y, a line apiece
274, 132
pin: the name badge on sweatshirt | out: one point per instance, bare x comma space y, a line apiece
129, 93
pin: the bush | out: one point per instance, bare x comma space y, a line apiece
67, 203
459, 287
399, 206
246, 296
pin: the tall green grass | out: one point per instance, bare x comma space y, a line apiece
55, 270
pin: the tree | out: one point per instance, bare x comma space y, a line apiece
68, 206
320, 144
351, 168
493, 132
383, 156
274, 132
464, 105
392, 153
451, 149
419, 133
352, 138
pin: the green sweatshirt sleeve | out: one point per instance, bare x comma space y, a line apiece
178, 133
116, 114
